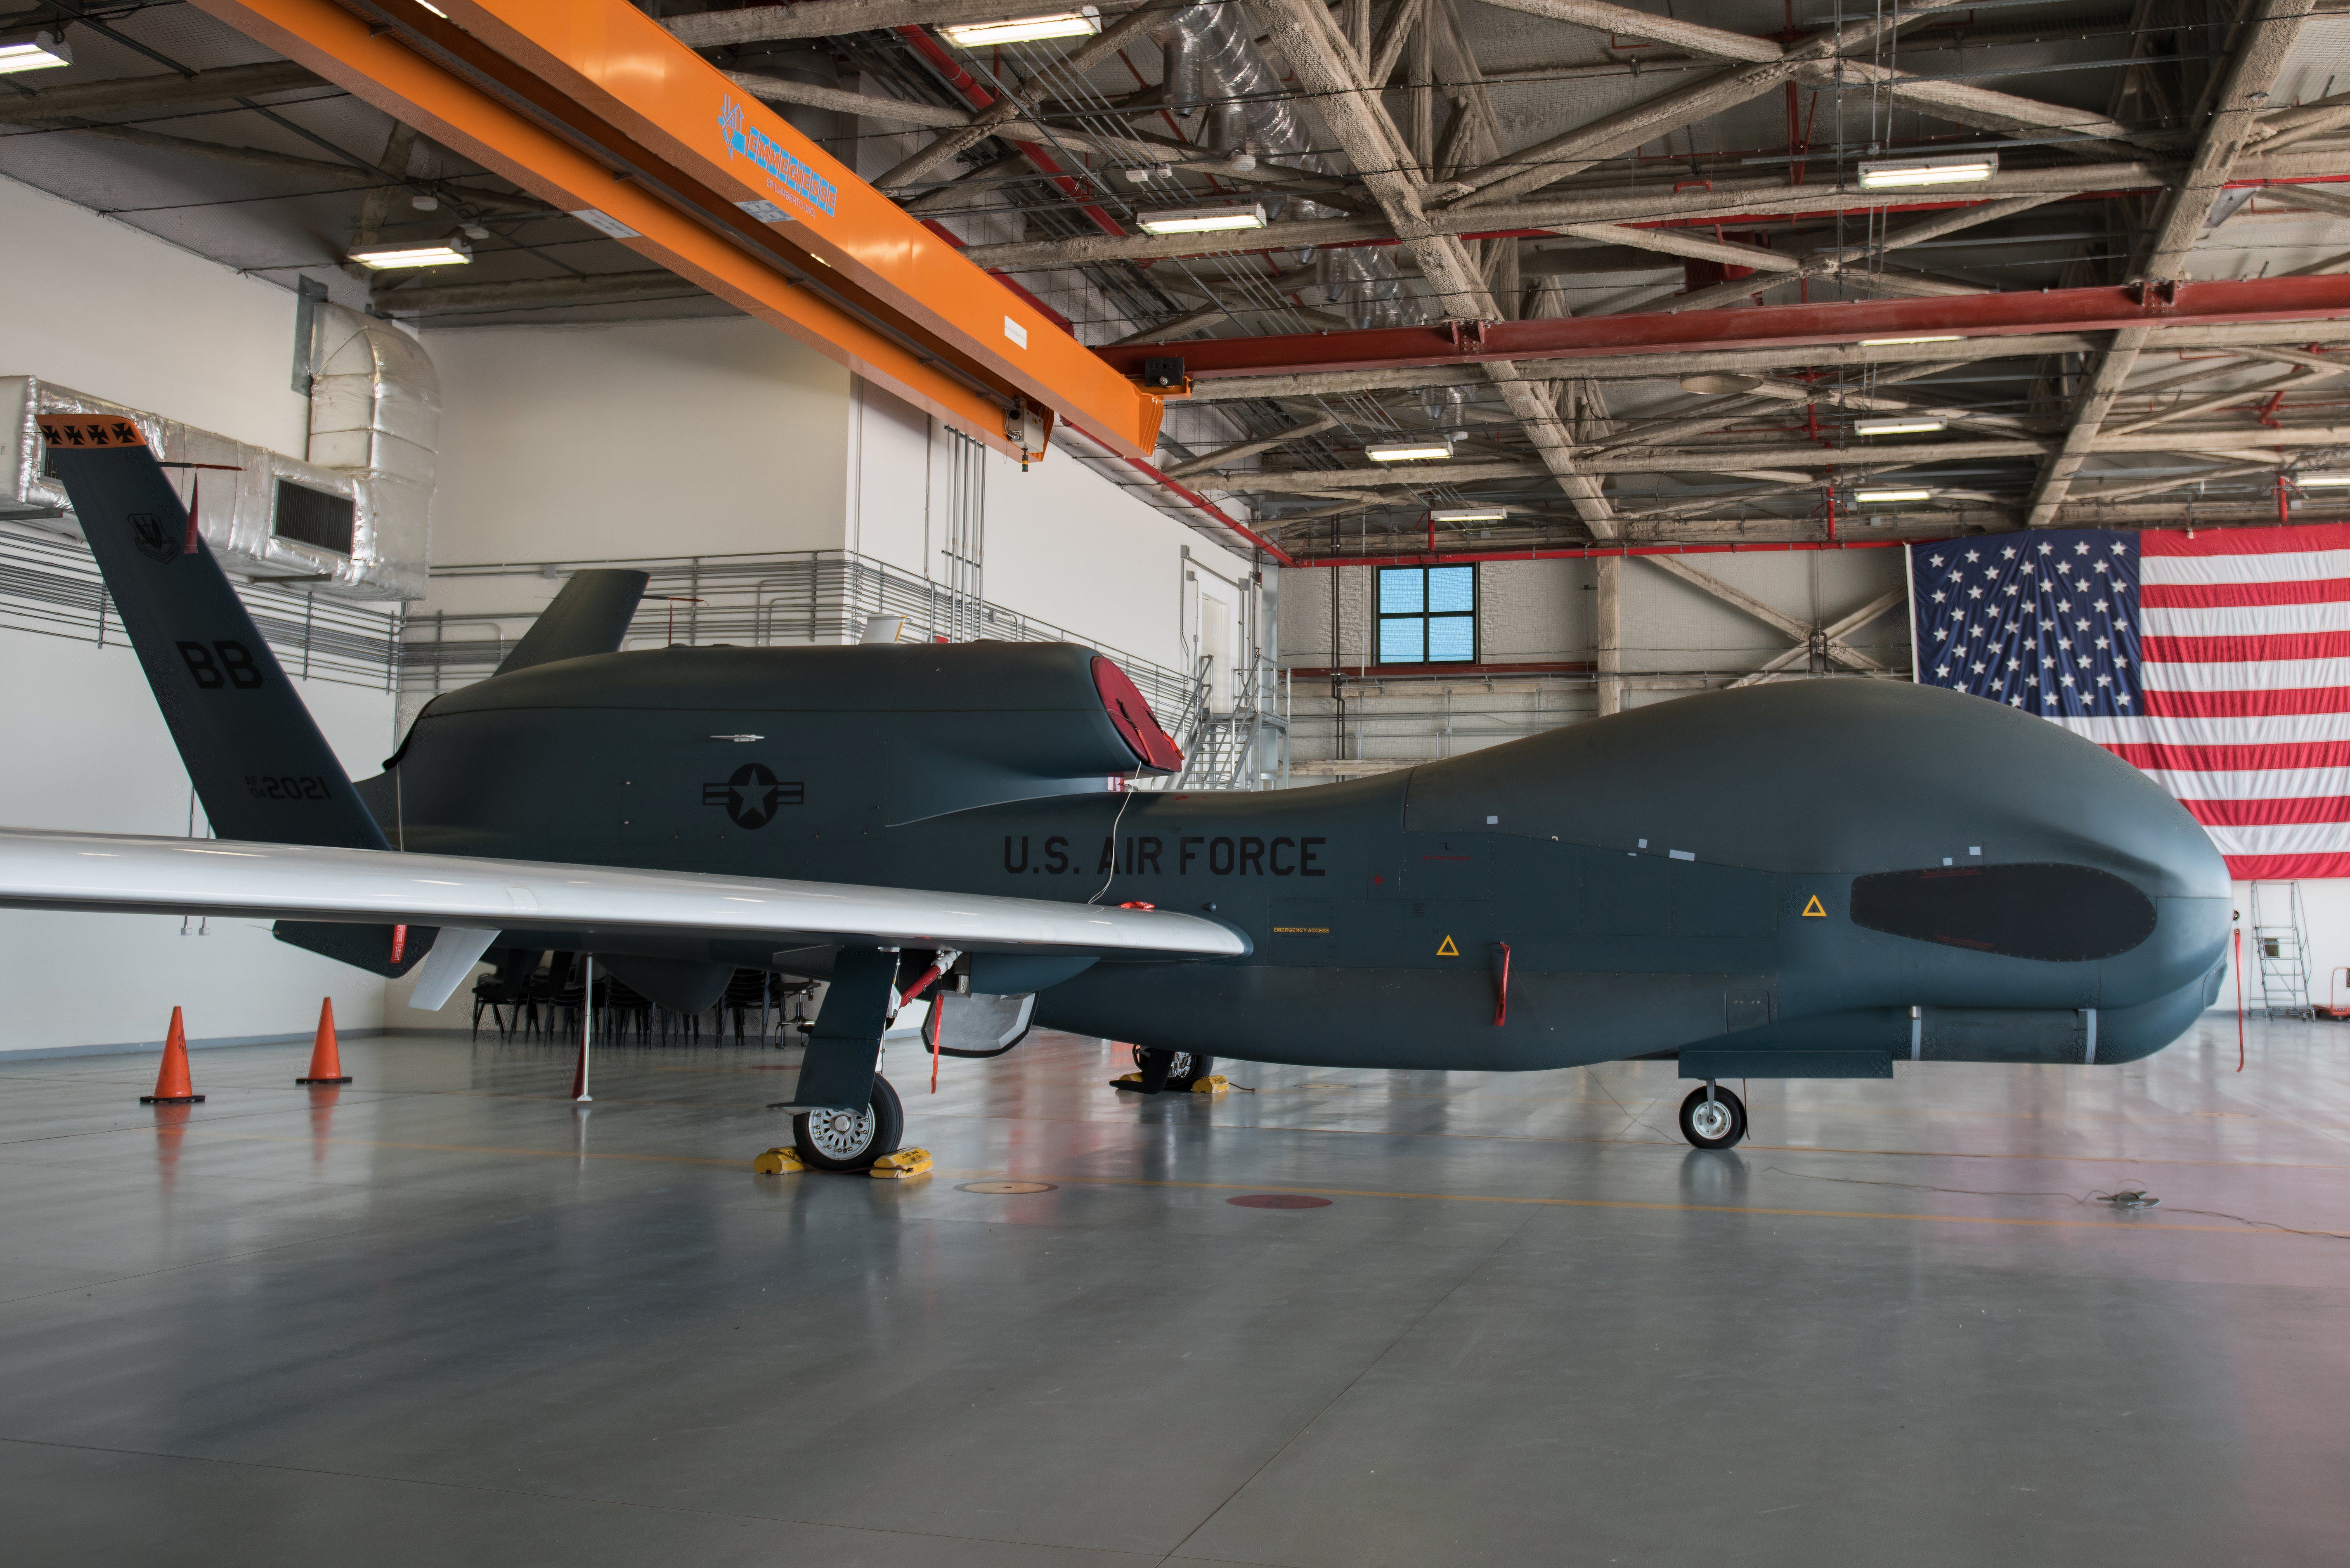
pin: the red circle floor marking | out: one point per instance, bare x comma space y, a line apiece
1278, 1200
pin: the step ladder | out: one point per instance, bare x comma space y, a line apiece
2280, 942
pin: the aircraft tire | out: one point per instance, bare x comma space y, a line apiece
856, 1146
1727, 1137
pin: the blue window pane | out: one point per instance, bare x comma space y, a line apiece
1399, 589
1400, 641
1451, 637
1451, 588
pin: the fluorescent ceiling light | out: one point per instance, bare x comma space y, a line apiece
1202, 220
450, 252
1471, 514
1895, 427
1895, 342
2322, 481
1078, 23
1896, 174
1410, 451
41, 52
1873, 496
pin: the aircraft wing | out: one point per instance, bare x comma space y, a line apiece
129, 873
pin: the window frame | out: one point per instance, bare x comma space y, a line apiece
1472, 615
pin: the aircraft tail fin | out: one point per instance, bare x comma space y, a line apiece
590, 615
256, 755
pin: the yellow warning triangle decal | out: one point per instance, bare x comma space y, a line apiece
1446, 950
1813, 909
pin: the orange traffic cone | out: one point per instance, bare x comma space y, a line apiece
325, 1062
172, 1084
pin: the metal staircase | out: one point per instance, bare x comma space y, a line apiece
1245, 748
2281, 939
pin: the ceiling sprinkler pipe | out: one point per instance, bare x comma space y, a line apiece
1588, 552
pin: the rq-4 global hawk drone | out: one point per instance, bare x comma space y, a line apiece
1809, 879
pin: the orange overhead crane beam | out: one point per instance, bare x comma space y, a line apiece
597, 110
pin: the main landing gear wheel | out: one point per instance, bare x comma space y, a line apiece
1716, 1123
836, 1140
1182, 1069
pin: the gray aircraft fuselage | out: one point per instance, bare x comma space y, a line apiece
1823, 874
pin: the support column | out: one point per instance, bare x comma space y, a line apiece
1608, 630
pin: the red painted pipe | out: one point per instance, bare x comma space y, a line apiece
1766, 326
1586, 552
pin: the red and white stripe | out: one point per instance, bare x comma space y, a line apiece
2245, 667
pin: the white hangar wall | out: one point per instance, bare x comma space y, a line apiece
575, 444
105, 309
723, 437
1533, 614
671, 438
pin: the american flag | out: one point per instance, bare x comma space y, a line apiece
2218, 661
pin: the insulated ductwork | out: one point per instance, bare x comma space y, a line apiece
355, 518
375, 415
1208, 59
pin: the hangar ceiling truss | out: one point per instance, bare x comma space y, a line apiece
1582, 221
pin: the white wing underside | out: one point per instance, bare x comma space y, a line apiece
122, 873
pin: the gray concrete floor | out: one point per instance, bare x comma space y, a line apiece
443, 1316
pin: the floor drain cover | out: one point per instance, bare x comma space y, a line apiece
1007, 1187
1278, 1200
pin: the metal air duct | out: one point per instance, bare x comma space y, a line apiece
1207, 57
353, 518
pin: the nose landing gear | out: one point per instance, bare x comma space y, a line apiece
1713, 1117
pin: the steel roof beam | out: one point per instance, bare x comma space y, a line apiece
1241, 450
997, 117
1664, 333
2263, 40
1635, 367
533, 293
826, 19
1742, 201
1744, 460
1325, 62
161, 91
